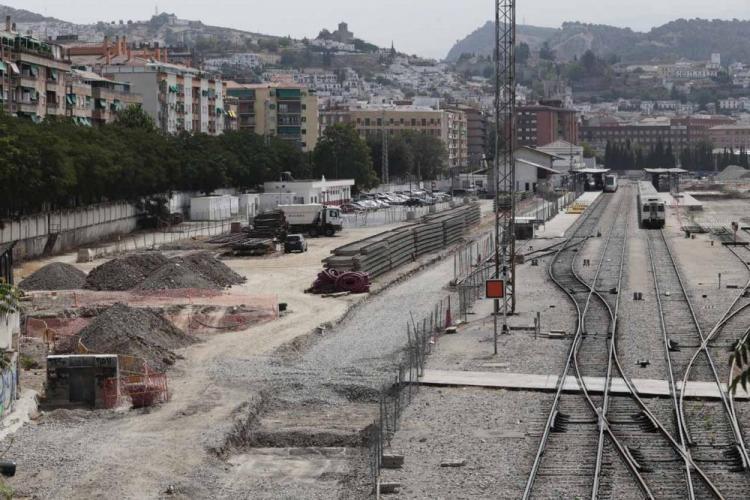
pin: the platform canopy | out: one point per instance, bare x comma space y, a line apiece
591, 171
661, 171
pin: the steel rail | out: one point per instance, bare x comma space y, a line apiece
604, 427
568, 362
731, 416
670, 370
628, 382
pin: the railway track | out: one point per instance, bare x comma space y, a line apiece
708, 430
600, 446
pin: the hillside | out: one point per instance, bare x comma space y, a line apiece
22, 16
480, 42
693, 39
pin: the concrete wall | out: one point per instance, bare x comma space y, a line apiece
9, 386
73, 228
9, 324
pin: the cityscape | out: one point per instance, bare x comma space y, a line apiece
316, 264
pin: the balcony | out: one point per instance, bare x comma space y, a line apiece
27, 106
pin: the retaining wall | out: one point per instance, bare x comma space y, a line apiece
67, 229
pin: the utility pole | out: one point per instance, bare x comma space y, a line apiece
385, 167
504, 167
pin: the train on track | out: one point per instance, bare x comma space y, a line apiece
652, 207
610, 183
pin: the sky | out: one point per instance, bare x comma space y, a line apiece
424, 27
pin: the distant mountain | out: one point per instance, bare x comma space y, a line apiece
694, 39
481, 41
21, 16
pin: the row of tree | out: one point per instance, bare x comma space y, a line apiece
698, 157
628, 157
58, 164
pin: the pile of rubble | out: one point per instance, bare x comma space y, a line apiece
153, 271
124, 273
141, 333
55, 276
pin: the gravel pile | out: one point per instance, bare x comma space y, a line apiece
153, 271
135, 332
205, 265
173, 276
55, 276
124, 273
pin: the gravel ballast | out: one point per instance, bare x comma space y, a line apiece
55, 276
135, 332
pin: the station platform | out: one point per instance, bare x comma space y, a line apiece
547, 383
681, 200
560, 223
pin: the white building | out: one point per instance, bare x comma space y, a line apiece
335, 192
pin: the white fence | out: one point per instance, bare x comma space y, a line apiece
391, 215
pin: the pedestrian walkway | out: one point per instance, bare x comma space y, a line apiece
535, 382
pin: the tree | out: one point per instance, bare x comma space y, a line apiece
429, 155
341, 153
523, 53
546, 53
135, 118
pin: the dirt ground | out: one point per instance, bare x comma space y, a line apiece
174, 448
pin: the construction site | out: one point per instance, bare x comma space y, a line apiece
583, 338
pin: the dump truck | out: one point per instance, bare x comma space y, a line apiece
313, 219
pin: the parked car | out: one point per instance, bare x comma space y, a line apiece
295, 243
415, 202
350, 208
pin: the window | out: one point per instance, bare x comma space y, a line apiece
661, 208
645, 208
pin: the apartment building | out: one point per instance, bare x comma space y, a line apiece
287, 111
645, 134
730, 136
450, 126
539, 125
476, 131
100, 97
32, 75
178, 98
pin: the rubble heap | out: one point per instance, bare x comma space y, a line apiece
55, 276
141, 333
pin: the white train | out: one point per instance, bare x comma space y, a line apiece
652, 209
610, 183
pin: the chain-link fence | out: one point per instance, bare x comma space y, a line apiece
397, 393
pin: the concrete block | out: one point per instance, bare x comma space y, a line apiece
389, 488
393, 461
454, 462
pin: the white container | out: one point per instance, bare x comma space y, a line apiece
210, 208
249, 203
234, 204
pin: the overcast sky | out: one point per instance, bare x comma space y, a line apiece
425, 27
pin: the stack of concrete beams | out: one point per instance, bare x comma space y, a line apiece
389, 250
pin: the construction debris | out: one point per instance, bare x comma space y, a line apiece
141, 333
174, 276
124, 273
55, 276
210, 268
270, 224
153, 271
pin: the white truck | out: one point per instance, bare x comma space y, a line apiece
313, 219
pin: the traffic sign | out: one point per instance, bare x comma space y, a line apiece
495, 289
